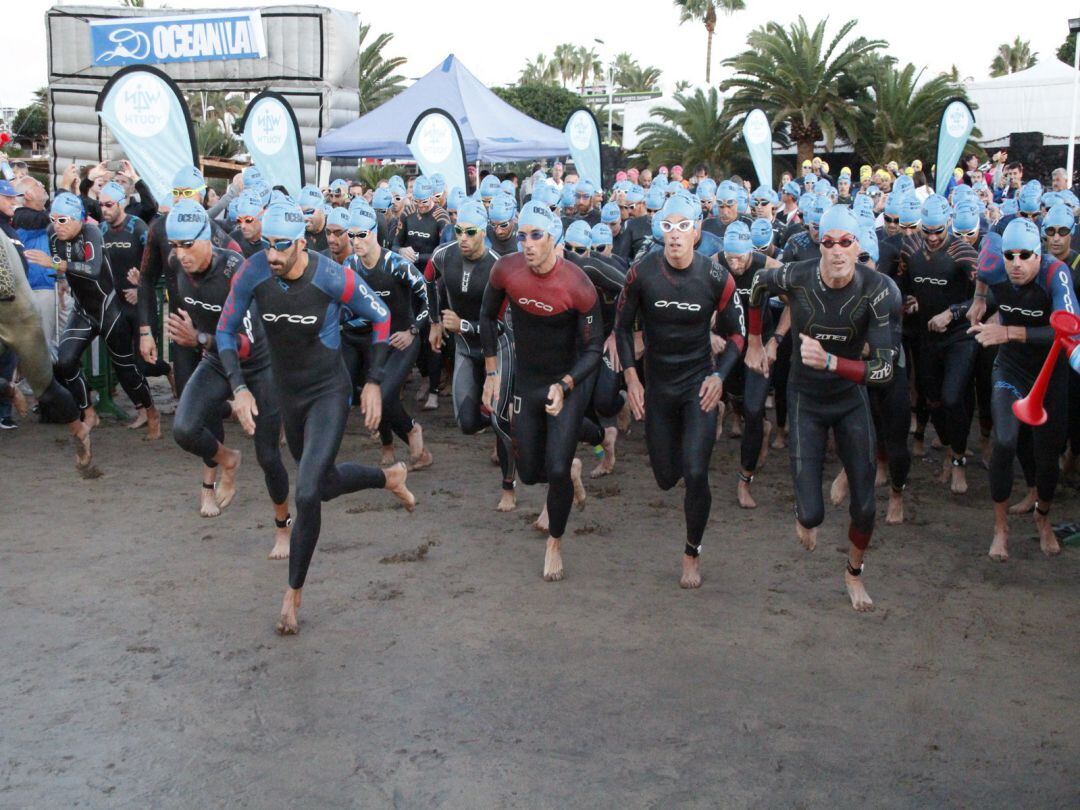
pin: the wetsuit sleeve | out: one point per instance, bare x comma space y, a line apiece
91, 264
770, 281
148, 205
419, 289
730, 324
878, 367
28, 219
359, 298
607, 277
626, 311
433, 276
398, 241
231, 323
149, 273
490, 309
590, 332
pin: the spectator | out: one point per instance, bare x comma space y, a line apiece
31, 222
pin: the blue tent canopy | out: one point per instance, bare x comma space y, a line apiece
491, 128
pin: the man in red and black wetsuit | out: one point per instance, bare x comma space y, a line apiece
557, 344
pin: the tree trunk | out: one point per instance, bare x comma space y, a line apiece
708, 57
805, 152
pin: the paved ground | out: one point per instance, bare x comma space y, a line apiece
142, 669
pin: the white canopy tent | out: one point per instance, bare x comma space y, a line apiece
1038, 99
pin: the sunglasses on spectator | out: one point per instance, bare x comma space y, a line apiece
933, 231
578, 249
1062, 231
682, 226
61, 220
829, 243
358, 234
892, 220
535, 236
280, 245
470, 232
246, 220
181, 243
1023, 255
188, 193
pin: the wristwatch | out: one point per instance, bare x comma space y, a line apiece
414, 330
203, 340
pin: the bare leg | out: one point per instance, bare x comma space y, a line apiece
431, 403
1048, 541
623, 420
894, 514
419, 457
882, 476
153, 424
808, 537
607, 463
208, 505
289, 623
736, 426
80, 437
139, 420
959, 480
860, 599
691, 572
579, 488
280, 551
229, 462
541, 522
1026, 505
720, 420
553, 567
742, 492
779, 441
839, 489
507, 501
495, 454
395, 483
423, 390
387, 457
999, 547
90, 417
764, 454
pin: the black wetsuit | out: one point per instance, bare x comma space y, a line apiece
675, 307
316, 240
556, 320
502, 247
459, 285
247, 246
197, 425
421, 233
96, 312
844, 321
942, 280
302, 322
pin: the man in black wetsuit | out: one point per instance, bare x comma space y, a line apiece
188, 184
300, 297
1027, 287
557, 344
502, 219
203, 279
459, 274
583, 208
338, 244
675, 294
838, 309
248, 231
403, 292
310, 200
77, 255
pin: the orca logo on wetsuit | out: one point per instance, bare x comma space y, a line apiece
1030, 313
678, 305
201, 304
284, 316
538, 304
112, 245
937, 282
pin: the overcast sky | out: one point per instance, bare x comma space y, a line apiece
494, 39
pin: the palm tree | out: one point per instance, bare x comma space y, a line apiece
697, 131
538, 71
796, 78
222, 107
637, 79
565, 59
1013, 58
588, 63
901, 121
214, 141
705, 11
378, 81
371, 174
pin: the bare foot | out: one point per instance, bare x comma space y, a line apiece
423, 391
882, 476
691, 572
208, 505
495, 455
946, 469
431, 403
541, 523
1048, 541
18, 401
395, 483
779, 441
153, 424
80, 437
764, 454
91, 418
839, 489
226, 489
280, 551
289, 623
918, 448
138, 421
419, 457
508, 501
623, 420
860, 599
808, 537
999, 546
742, 492
579, 488
553, 567
607, 462
959, 481
736, 427
1025, 506
387, 457
894, 513
720, 420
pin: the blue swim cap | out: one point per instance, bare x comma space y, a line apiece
421, 189
818, 207
1050, 199
682, 204
965, 216
743, 196
249, 204
538, 215
910, 210
1060, 216
654, 201
635, 194
600, 235
902, 185
113, 191
791, 188
310, 198
1034, 186
585, 188
657, 231
1021, 234
727, 192
489, 187
806, 201
844, 178
766, 195
579, 233
438, 182
761, 233
507, 187
281, 197
1009, 207
621, 186
397, 186
187, 222
189, 177
251, 175
868, 241
472, 213
706, 190
283, 221
260, 190
822, 187
502, 208
935, 212
864, 205
381, 199
674, 187
339, 217
340, 185
566, 199
737, 239
1069, 199
839, 218
362, 217
546, 193
67, 204
1028, 199
610, 213
230, 210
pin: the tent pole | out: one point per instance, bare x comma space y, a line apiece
1072, 127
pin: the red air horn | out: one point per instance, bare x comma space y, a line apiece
1030, 410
